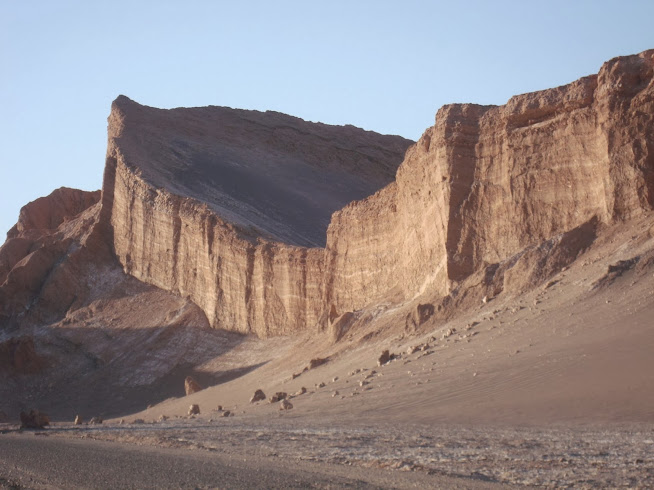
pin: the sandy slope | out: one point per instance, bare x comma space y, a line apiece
568, 353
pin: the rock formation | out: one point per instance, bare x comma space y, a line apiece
188, 212
191, 386
266, 224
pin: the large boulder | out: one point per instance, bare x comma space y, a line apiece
258, 396
191, 386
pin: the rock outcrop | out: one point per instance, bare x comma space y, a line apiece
191, 386
189, 211
272, 225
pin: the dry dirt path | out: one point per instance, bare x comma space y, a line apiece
29, 460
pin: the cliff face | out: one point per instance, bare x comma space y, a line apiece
214, 203
233, 209
486, 182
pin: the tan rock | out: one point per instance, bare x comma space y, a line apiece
95, 421
258, 396
191, 386
78, 420
194, 409
285, 405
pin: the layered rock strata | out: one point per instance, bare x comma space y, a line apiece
233, 209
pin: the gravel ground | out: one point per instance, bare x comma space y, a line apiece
554, 457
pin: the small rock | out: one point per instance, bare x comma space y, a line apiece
412, 350
485, 299
194, 409
320, 385
219, 408
258, 396
301, 391
121, 422
314, 363
78, 420
191, 386
138, 421
334, 379
384, 358
226, 413
163, 418
285, 405
95, 421
336, 393
279, 396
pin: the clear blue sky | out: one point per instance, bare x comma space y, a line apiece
382, 65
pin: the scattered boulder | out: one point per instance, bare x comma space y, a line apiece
194, 409
385, 357
301, 391
219, 408
258, 396
78, 420
314, 363
226, 413
96, 421
121, 422
191, 386
138, 421
33, 420
279, 396
163, 418
285, 405
320, 385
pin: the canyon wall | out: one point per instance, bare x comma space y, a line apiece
213, 203
231, 207
486, 182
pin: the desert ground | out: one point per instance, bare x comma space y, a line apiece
549, 388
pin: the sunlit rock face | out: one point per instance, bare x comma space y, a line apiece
272, 225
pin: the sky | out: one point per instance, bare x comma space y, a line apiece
386, 66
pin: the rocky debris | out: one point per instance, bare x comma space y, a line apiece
448, 333
335, 394
194, 409
78, 420
219, 408
279, 396
614, 271
385, 358
162, 418
320, 385
227, 413
191, 386
334, 379
138, 421
413, 349
121, 422
33, 419
301, 391
285, 405
314, 363
258, 396
95, 421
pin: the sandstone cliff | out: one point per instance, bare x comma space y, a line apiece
215, 203
233, 209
